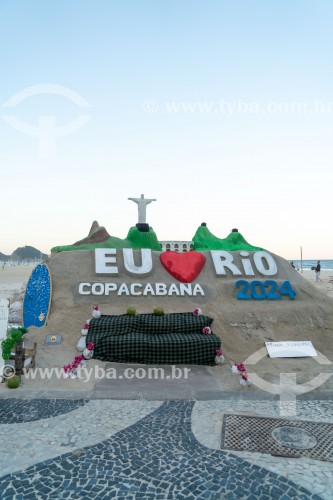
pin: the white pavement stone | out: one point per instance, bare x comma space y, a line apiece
314, 475
100, 420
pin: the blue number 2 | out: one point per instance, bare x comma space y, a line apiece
271, 293
262, 292
242, 295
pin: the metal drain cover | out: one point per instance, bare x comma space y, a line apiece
278, 436
293, 437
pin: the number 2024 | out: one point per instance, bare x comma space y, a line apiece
268, 289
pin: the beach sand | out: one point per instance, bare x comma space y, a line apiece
13, 278
323, 284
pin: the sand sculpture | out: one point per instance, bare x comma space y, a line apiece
253, 295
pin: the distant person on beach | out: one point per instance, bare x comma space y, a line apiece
292, 264
317, 269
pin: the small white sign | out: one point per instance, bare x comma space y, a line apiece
291, 349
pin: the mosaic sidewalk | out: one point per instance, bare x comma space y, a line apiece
131, 449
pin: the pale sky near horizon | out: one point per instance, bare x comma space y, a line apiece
222, 110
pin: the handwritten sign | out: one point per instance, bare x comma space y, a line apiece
291, 349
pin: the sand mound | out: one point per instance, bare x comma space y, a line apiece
242, 325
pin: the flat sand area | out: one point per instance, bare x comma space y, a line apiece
12, 278
323, 284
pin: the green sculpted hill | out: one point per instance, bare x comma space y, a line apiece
98, 237
204, 240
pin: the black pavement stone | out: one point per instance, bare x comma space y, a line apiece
17, 411
277, 492
232, 496
156, 457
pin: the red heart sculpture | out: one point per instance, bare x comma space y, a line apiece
185, 267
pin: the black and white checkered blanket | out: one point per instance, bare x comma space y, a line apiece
150, 339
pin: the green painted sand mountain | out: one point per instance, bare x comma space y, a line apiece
204, 240
98, 237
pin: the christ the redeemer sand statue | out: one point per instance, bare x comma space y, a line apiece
142, 204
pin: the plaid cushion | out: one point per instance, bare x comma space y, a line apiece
151, 339
151, 323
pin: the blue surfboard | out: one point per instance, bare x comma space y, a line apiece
37, 298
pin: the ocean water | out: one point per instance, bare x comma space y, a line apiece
326, 265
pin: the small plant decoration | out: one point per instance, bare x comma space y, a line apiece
131, 311
158, 311
13, 382
14, 335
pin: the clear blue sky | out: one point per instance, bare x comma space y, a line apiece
258, 164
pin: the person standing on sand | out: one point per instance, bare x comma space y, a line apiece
317, 269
